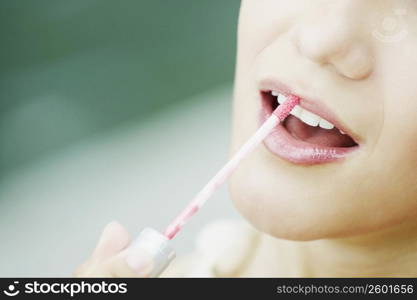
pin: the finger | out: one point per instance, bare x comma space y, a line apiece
113, 239
126, 264
98, 271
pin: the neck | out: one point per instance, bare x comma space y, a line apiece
386, 253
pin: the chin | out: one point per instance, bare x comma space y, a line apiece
300, 218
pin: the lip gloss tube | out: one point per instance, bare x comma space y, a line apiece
156, 246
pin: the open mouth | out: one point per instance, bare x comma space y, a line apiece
304, 137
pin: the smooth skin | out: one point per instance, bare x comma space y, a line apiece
357, 217
109, 259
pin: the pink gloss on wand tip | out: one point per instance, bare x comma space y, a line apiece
208, 190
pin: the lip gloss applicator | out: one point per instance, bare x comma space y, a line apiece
157, 244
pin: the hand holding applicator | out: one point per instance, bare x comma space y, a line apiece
157, 244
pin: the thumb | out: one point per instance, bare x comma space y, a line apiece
113, 239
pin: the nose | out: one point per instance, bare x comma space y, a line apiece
337, 39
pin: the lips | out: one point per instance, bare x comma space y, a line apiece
310, 135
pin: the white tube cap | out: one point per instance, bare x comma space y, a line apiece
157, 246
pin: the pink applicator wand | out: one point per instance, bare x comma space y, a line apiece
157, 244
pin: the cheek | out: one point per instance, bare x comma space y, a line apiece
262, 21
397, 156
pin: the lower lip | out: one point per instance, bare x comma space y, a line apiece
281, 143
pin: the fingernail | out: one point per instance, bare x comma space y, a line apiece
139, 261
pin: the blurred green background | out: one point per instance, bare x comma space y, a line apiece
72, 69
110, 110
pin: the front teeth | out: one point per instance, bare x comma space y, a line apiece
281, 98
309, 118
325, 124
304, 115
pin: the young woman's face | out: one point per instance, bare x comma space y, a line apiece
353, 63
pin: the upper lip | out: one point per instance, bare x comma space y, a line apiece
315, 106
